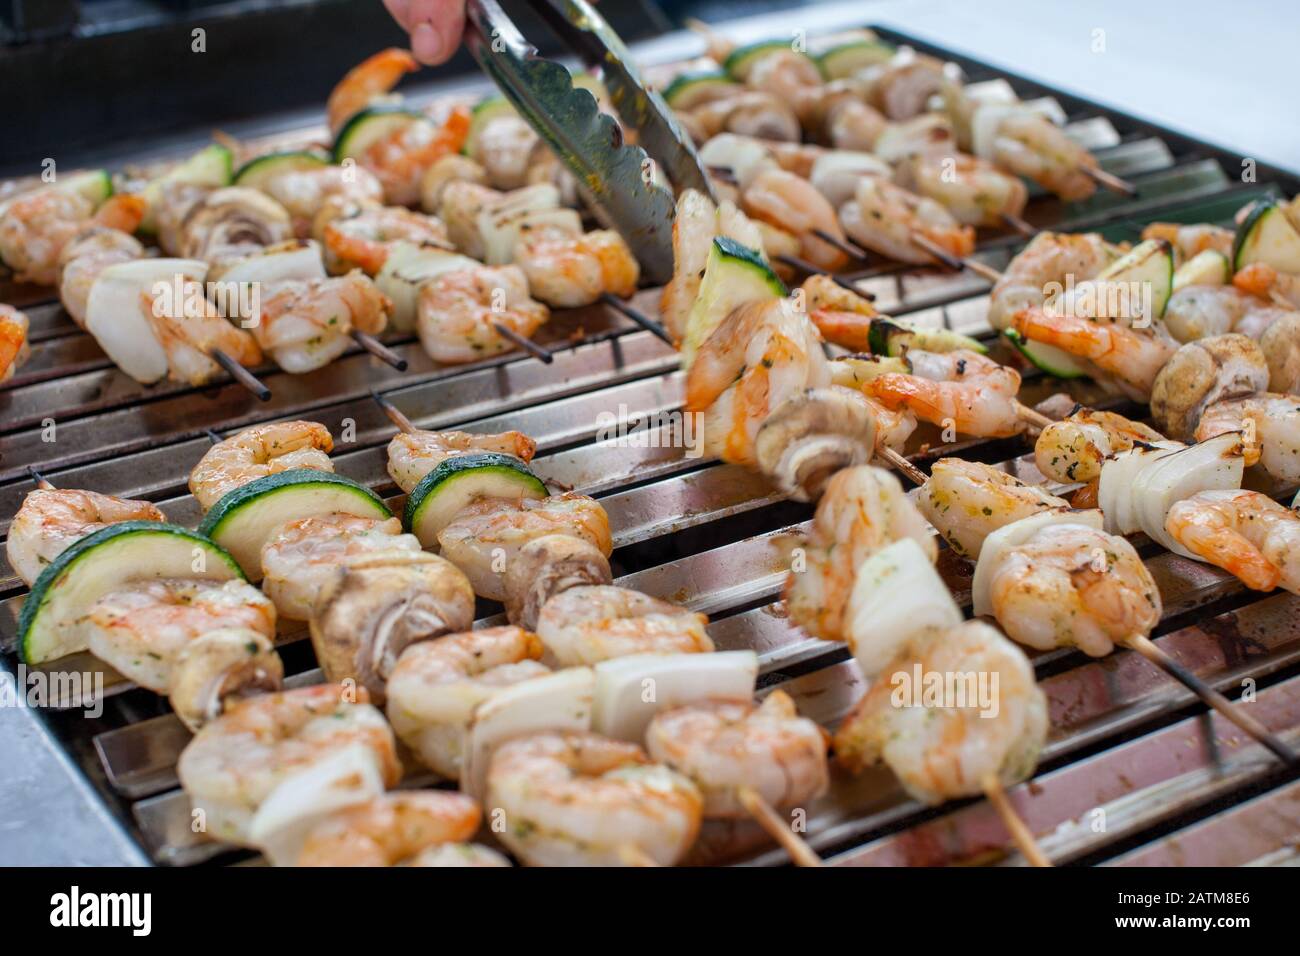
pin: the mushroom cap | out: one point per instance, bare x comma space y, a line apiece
547, 566
223, 663
234, 218
1203, 372
812, 435
1280, 344
376, 607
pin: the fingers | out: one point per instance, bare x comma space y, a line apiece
435, 27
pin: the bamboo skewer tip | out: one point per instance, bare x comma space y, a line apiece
379, 350
1021, 835
897, 461
767, 817
395, 415
241, 375
522, 341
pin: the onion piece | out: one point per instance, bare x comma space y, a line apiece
1115, 486
621, 709
744, 156
835, 173
1215, 464
407, 268
1012, 535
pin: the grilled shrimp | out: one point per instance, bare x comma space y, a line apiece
1071, 585
884, 218
459, 854
84, 258
962, 390
485, 537
438, 177
412, 455
724, 746
862, 510
1048, 263
50, 519
566, 271
391, 829
459, 311
1133, 356
578, 799
368, 81
1190, 240
1244, 532
257, 452
945, 752
1262, 280
400, 160
142, 629
305, 323
505, 148
792, 203
1031, 146
436, 685
305, 192
975, 191
237, 760
13, 340
360, 235
1074, 448
1199, 311
966, 501
301, 558
36, 226
1270, 428
590, 624
750, 113
760, 355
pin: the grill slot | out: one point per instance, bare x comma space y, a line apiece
1126, 739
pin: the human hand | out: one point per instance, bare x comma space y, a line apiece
435, 26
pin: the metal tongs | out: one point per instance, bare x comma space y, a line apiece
617, 177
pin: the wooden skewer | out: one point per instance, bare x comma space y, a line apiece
41, 481
915, 474
213, 436
803, 265
1020, 833
1148, 649
394, 414
956, 263
240, 374
637, 316
1109, 180
378, 349
771, 821
1018, 224
843, 245
633, 855
1034, 418
525, 343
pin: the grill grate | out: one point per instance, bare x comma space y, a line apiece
1127, 741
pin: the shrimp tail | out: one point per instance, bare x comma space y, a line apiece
850, 330
125, 211
365, 82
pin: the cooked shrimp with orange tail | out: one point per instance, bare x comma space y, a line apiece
1244, 532
305, 323
369, 81
257, 452
884, 218
392, 829
566, 272
1134, 357
13, 340
36, 226
458, 312
962, 390
360, 235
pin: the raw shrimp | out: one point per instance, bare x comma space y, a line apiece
975, 191
412, 455
1071, 585
1074, 448
578, 799
962, 390
436, 685
142, 629
724, 746
760, 355
566, 271
363, 233
885, 218
36, 226
1050, 262
300, 558
954, 749
85, 257
862, 510
485, 537
305, 323
792, 203
1031, 146
13, 340
1133, 356
237, 760
390, 829
459, 311
1244, 532
368, 81
257, 452
1190, 240
50, 519
1270, 429
966, 501
592, 623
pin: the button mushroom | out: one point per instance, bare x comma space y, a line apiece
228, 662
811, 436
547, 566
1201, 373
232, 223
377, 607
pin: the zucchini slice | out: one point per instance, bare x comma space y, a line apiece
894, 338
1048, 358
1150, 263
257, 172
211, 166
52, 623
408, 267
735, 274
483, 113
694, 87
744, 58
1267, 235
848, 59
1207, 267
243, 520
95, 184
460, 481
371, 125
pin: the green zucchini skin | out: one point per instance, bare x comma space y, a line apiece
257, 171
346, 143
676, 93
737, 63
448, 472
